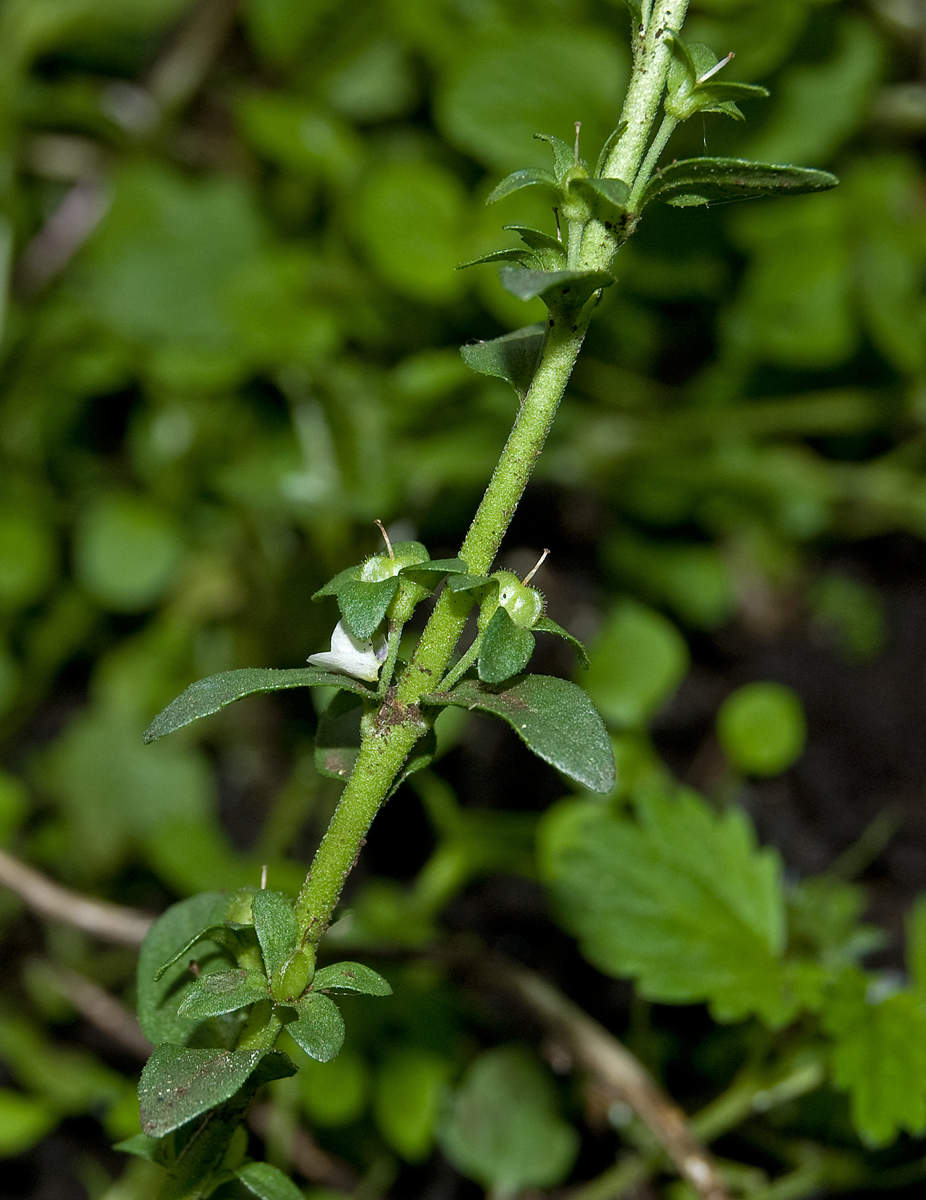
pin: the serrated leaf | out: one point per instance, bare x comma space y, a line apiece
555, 288
268, 1182
607, 198
337, 738
505, 648
683, 901
223, 992
351, 977
277, 929
555, 718
878, 1056
525, 177
208, 696
363, 605
320, 1027
545, 625
513, 357
178, 1084
503, 1129
160, 997
733, 179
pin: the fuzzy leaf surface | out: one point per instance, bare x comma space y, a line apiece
160, 998
513, 357
351, 977
207, 696
363, 605
505, 648
223, 992
553, 286
178, 1084
545, 625
878, 1057
320, 1027
555, 718
732, 179
606, 197
525, 177
277, 929
683, 901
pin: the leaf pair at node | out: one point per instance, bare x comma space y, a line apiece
386, 585
251, 975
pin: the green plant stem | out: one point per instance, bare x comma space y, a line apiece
399, 722
658, 144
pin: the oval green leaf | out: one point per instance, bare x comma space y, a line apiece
555, 718
732, 179
178, 1084
513, 357
351, 977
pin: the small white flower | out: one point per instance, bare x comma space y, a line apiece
351, 656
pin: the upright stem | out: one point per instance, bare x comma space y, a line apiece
400, 722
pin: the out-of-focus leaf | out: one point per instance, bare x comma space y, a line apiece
637, 662
27, 559
127, 552
681, 900
410, 1087
761, 728
503, 1128
878, 1056
268, 1182
24, 1121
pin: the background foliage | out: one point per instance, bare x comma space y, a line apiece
231, 342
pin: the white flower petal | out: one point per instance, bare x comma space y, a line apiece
350, 655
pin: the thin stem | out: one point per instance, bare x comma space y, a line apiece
458, 671
393, 642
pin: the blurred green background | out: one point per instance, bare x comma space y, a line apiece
230, 341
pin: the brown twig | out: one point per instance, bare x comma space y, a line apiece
103, 1011
110, 922
619, 1072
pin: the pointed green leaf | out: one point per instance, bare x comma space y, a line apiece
608, 147
503, 1129
337, 738
683, 901
555, 288
526, 177
545, 625
879, 1056
537, 240
732, 179
143, 1146
333, 586
564, 155
555, 718
468, 583
351, 977
363, 605
607, 198
160, 995
505, 648
277, 930
320, 1027
268, 1182
515, 254
436, 566
722, 90
178, 1084
223, 992
513, 357
207, 696
221, 934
